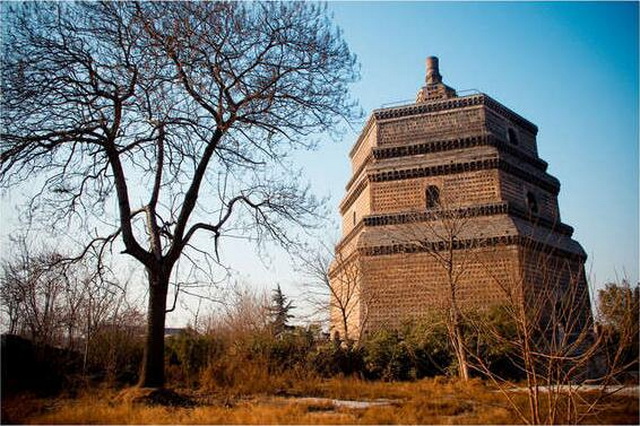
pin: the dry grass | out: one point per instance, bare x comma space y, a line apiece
433, 401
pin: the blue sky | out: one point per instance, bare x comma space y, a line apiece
571, 68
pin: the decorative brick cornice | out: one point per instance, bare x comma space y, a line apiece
454, 103
546, 182
426, 107
506, 112
559, 227
355, 176
501, 145
406, 150
352, 234
338, 264
468, 244
437, 246
467, 212
442, 169
409, 217
344, 205
363, 133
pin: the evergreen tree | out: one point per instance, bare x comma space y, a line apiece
279, 311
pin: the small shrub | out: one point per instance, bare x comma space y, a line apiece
387, 357
496, 353
331, 359
188, 354
259, 362
428, 346
115, 355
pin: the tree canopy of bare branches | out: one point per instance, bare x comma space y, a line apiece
182, 114
333, 287
448, 235
69, 305
550, 337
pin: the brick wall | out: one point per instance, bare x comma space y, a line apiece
499, 126
514, 190
459, 122
357, 210
464, 189
406, 286
360, 155
346, 298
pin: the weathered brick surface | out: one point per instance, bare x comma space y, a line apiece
466, 189
462, 122
514, 190
361, 206
494, 192
363, 150
406, 286
499, 126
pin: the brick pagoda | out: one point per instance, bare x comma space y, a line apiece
447, 178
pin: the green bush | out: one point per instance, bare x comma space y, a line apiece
421, 349
331, 358
387, 356
188, 354
495, 348
429, 350
290, 349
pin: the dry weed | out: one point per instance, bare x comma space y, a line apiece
19, 408
430, 401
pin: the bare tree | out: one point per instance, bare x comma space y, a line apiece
104, 306
245, 312
552, 339
448, 235
32, 288
183, 113
53, 302
332, 286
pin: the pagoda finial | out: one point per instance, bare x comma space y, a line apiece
435, 89
433, 72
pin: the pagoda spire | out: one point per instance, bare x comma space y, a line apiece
433, 71
434, 89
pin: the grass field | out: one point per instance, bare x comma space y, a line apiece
429, 401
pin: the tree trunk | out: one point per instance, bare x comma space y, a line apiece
456, 338
152, 375
461, 355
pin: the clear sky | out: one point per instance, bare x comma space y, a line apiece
570, 68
